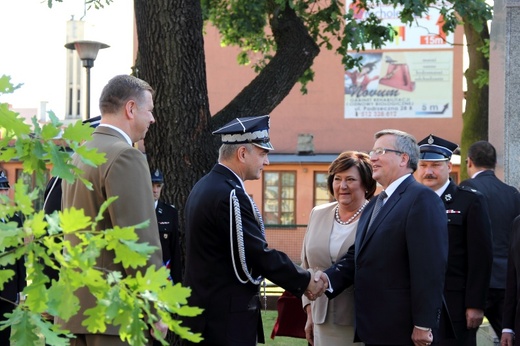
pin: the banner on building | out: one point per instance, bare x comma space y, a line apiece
402, 84
412, 77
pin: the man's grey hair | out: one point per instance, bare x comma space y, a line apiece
226, 151
405, 143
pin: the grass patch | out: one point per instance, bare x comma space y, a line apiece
268, 318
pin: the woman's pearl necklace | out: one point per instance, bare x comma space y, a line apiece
338, 220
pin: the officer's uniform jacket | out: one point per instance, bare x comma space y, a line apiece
231, 313
168, 222
470, 255
17, 283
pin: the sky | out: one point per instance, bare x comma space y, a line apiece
32, 52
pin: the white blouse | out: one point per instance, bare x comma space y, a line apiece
338, 236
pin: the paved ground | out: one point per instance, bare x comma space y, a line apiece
486, 336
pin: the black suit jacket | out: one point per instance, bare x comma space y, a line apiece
470, 254
17, 283
52, 203
398, 267
504, 205
511, 317
168, 222
231, 309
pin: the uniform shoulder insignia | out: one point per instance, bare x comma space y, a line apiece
169, 206
467, 189
233, 184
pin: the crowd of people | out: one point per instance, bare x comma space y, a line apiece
420, 263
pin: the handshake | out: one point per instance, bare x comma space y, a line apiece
317, 286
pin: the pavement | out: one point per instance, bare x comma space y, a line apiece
486, 336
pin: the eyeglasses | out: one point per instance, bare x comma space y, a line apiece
382, 151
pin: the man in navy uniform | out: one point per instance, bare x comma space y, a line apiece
168, 221
470, 242
227, 255
9, 295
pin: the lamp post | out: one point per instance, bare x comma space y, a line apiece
87, 51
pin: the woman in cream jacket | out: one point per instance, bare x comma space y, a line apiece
330, 233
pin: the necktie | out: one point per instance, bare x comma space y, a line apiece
377, 208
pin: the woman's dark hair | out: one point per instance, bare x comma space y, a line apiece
349, 159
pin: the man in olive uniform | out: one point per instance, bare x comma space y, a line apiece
470, 243
168, 222
52, 200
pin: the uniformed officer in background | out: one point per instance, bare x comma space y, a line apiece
10, 294
470, 243
168, 221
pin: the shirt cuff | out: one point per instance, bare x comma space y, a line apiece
424, 328
507, 330
329, 289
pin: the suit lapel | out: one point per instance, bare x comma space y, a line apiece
325, 226
390, 203
363, 224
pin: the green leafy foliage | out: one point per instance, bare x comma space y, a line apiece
70, 242
483, 74
6, 87
97, 4
243, 23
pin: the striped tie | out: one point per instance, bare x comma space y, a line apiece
377, 208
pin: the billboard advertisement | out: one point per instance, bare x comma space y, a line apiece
400, 85
411, 77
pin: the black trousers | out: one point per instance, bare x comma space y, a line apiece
495, 309
5, 334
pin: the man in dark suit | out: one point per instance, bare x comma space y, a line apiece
168, 222
398, 261
511, 317
470, 243
504, 205
10, 294
126, 106
227, 254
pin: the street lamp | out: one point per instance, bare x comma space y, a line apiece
87, 51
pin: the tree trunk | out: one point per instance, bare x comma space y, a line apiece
295, 54
476, 113
171, 59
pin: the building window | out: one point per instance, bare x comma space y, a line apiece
321, 192
455, 177
279, 198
